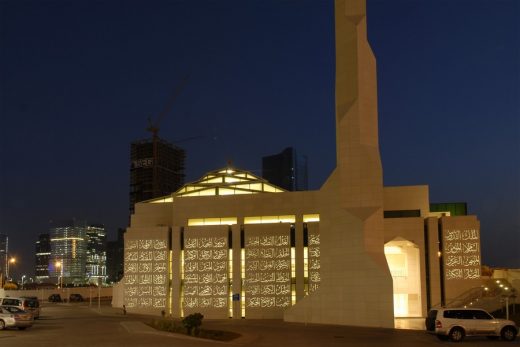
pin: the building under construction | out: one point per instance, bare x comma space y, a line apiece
156, 169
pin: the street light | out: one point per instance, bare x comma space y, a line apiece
59, 264
11, 261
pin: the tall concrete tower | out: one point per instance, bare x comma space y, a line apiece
356, 285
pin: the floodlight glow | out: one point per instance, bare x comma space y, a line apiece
393, 250
308, 218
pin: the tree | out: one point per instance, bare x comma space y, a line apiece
192, 323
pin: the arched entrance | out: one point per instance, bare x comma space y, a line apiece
404, 263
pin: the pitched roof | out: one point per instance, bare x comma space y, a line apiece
226, 181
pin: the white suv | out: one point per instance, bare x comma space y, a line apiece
455, 323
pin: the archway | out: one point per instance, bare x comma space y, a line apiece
404, 263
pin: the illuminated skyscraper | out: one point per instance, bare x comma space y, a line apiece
43, 255
68, 251
96, 254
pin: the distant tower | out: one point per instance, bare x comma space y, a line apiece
4, 266
115, 257
96, 268
43, 255
286, 170
68, 248
149, 180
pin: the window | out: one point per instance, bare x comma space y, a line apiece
402, 213
477, 314
455, 314
14, 302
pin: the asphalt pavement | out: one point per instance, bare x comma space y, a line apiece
80, 325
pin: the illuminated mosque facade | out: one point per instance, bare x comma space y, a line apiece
232, 245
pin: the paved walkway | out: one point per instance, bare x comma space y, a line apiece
79, 325
258, 332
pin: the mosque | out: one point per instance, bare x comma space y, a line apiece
232, 245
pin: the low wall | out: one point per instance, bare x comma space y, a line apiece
43, 294
118, 294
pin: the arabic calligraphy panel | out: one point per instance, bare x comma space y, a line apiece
268, 261
205, 268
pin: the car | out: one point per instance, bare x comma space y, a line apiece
22, 319
456, 323
31, 304
6, 319
24, 303
75, 298
54, 298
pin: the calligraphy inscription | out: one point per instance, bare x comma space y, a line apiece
314, 262
462, 254
268, 271
146, 273
206, 272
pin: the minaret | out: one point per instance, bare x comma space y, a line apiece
356, 285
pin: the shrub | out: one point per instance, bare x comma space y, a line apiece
192, 323
10, 286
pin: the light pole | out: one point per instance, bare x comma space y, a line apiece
59, 264
12, 261
99, 294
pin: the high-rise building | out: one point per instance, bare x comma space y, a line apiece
68, 251
115, 257
151, 178
4, 266
96, 269
43, 255
287, 170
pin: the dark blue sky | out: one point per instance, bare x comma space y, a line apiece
78, 80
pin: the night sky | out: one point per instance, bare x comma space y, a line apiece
79, 79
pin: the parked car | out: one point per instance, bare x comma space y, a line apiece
26, 304
75, 298
31, 304
22, 319
456, 323
54, 298
6, 319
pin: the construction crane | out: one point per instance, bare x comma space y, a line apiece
154, 127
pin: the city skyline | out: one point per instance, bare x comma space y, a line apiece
80, 80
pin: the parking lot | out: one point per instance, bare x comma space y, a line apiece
77, 324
